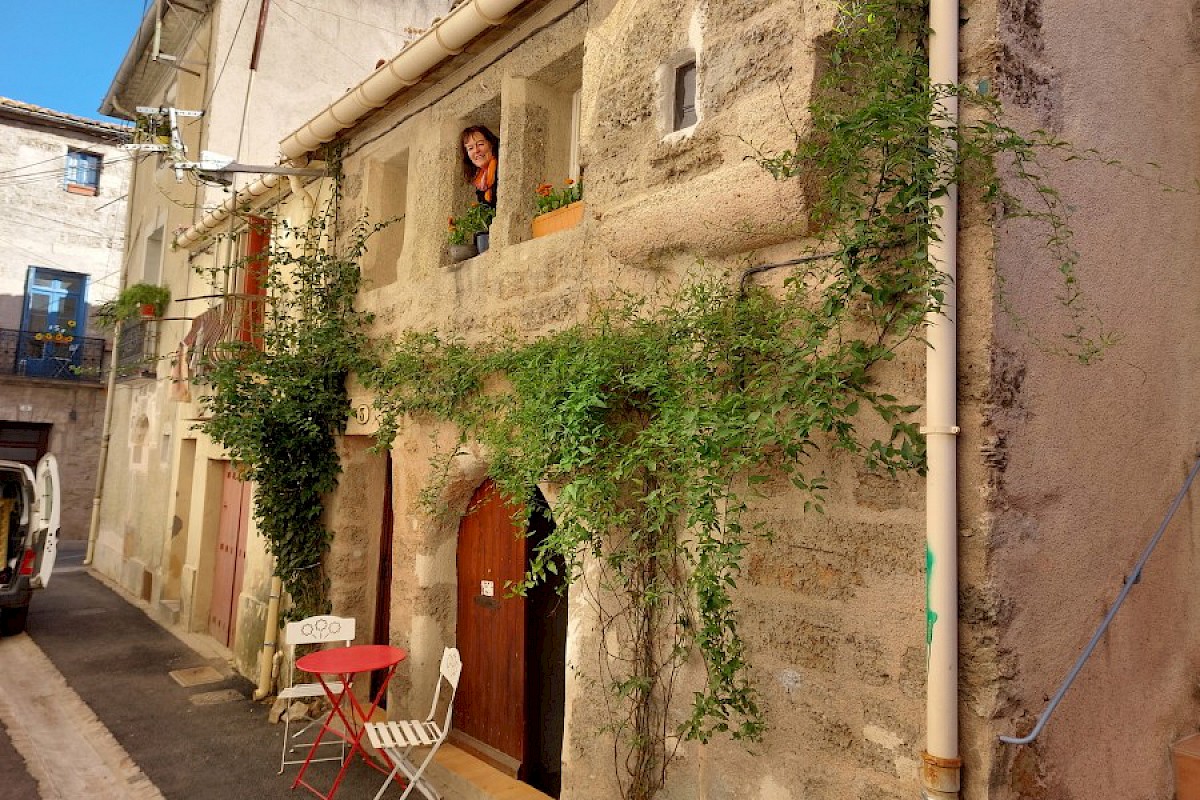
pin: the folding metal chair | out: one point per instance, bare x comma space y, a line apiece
398, 739
313, 630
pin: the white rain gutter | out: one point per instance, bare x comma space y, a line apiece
940, 762
446, 38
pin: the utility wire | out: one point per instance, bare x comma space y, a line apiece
319, 38
221, 72
29, 177
34, 164
348, 19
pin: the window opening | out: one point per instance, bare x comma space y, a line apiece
83, 172
254, 286
685, 96
53, 318
153, 256
573, 172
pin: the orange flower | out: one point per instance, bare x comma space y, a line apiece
545, 189
570, 181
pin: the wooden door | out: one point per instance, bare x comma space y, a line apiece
231, 556
490, 705
383, 584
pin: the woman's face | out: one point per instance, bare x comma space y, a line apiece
478, 148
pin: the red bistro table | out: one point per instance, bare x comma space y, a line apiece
344, 662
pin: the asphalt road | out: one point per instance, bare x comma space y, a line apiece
117, 660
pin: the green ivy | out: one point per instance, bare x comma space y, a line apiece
655, 422
277, 402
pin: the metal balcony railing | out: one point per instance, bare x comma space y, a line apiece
137, 350
53, 356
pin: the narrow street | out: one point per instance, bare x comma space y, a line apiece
89, 709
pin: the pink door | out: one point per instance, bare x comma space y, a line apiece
231, 556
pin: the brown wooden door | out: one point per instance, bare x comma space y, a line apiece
490, 705
231, 556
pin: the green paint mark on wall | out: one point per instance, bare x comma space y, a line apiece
930, 615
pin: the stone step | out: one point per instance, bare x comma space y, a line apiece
458, 775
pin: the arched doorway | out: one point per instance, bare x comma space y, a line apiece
511, 698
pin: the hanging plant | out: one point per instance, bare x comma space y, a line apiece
144, 300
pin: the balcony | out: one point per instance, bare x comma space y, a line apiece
51, 357
137, 350
234, 322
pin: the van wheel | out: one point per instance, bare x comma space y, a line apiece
12, 620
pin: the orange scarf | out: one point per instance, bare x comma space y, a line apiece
485, 181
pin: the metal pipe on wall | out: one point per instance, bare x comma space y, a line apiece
940, 762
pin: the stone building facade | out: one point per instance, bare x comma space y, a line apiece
63, 181
232, 89
1064, 469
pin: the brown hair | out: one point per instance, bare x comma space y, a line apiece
470, 169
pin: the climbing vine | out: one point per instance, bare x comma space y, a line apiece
278, 397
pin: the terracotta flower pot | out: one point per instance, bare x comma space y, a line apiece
557, 220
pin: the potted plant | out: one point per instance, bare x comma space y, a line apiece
558, 209
145, 300
468, 234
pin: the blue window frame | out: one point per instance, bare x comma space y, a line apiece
53, 322
83, 169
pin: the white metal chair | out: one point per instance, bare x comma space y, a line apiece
313, 630
398, 739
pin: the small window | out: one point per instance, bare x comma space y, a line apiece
685, 96
83, 172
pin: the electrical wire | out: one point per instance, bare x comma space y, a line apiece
33, 177
221, 72
348, 19
34, 164
63, 224
328, 42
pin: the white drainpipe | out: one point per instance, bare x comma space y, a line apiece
940, 763
446, 38
266, 664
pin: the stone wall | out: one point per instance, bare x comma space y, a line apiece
833, 607
76, 415
45, 225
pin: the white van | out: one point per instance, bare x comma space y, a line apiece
29, 514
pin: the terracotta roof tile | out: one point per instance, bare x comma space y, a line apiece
49, 113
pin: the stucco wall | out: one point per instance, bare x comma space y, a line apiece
1087, 458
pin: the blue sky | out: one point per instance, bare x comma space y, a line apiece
63, 54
